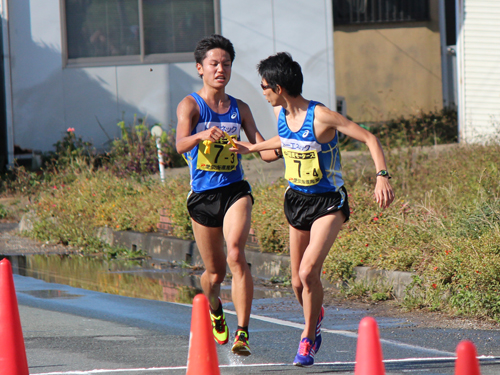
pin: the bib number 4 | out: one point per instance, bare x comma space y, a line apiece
302, 167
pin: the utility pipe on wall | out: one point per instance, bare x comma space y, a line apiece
4, 11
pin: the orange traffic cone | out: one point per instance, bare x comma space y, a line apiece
12, 352
202, 357
369, 349
467, 362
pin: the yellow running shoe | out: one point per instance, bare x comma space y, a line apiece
219, 327
240, 346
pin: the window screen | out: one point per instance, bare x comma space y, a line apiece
373, 11
108, 28
176, 25
97, 28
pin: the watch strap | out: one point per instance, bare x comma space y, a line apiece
383, 173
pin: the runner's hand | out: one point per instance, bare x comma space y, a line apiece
243, 147
384, 195
213, 134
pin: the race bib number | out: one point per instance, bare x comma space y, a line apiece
216, 157
302, 167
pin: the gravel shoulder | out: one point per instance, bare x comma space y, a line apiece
12, 243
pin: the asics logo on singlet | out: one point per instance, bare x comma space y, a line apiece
233, 116
305, 134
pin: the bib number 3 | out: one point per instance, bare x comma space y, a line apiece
219, 159
302, 167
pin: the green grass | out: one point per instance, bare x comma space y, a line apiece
3, 212
444, 225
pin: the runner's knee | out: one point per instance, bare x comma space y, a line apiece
308, 276
235, 257
297, 283
217, 277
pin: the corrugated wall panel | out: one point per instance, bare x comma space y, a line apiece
475, 75
481, 69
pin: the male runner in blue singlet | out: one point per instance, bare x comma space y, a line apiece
220, 200
316, 203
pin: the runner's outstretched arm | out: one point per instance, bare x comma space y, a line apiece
253, 135
328, 120
247, 148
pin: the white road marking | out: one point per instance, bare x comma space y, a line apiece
449, 356
386, 361
350, 334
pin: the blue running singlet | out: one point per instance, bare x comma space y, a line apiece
215, 166
310, 167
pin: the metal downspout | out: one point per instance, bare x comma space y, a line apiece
9, 115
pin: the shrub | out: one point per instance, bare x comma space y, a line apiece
136, 153
268, 220
3, 212
422, 129
174, 201
69, 150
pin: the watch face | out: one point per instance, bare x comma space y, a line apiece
382, 173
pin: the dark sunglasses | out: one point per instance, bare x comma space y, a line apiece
265, 87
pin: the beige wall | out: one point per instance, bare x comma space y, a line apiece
388, 70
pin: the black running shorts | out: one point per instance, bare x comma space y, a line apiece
302, 209
209, 207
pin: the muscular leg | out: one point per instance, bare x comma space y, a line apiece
210, 243
236, 228
299, 239
321, 237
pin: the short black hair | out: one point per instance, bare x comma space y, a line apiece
211, 42
280, 69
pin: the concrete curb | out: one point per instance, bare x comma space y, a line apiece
164, 248
396, 279
161, 247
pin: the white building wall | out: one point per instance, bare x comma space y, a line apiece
260, 28
37, 86
48, 98
478, 52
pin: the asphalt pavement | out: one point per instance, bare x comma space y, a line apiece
76, 331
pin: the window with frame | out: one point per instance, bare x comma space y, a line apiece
347, 12
109, 30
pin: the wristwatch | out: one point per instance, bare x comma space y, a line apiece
383, 173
